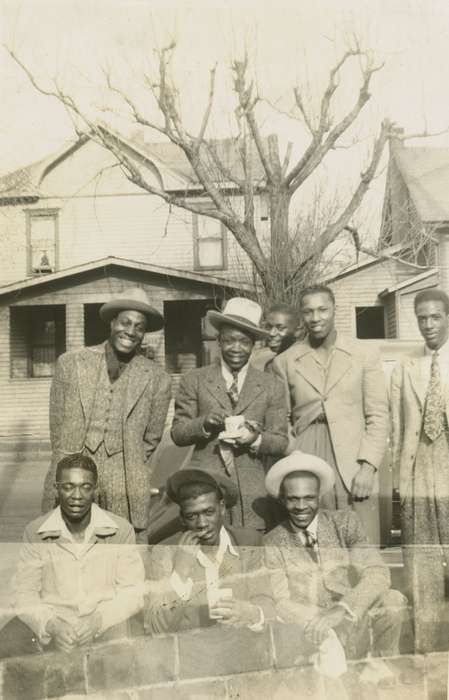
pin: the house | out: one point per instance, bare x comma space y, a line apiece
75, 232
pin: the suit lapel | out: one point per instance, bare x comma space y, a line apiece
307, 366
341, 362
89, 365
217, 387
139, 374
416, 379
252, 387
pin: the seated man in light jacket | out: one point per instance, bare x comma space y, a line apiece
70, 588
325, 575
211, 573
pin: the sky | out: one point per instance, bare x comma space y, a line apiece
288, 44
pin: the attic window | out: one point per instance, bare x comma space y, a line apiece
42, 230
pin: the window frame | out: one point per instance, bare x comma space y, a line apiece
52, 213
197, 241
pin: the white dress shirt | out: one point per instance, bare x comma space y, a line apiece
443, 363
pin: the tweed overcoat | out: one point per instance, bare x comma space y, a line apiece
350, 570
262, 399
407, 399
72, 396
353, 398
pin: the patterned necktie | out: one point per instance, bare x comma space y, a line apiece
434, 409
311, 545
233, 390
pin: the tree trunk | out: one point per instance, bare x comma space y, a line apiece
279, 207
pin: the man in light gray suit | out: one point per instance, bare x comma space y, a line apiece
338, 406
110, 402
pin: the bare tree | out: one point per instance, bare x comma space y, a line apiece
280, 266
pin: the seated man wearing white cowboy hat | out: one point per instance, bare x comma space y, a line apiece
212, 573
210, 399
110, 402
314, 555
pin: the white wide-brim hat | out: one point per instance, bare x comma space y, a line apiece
298, 461
241, 313
134, 299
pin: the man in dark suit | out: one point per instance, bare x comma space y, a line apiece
211, 572
110, 402
314, 555
209, 396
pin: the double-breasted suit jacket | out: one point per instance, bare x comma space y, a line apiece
409, 386
146, 403
262, 400
353, 398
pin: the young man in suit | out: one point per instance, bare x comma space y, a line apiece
231, 387
420, 445
190, 577
338, 407
110, 402
71, 589
313, 556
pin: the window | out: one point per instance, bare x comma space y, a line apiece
186, 344
209, 242
96, 331
37, 338
370, 322
42, 229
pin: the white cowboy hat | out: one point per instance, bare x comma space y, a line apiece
298, 461
242, 313
134, 299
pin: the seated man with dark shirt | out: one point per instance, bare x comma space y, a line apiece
71, 589
212, 573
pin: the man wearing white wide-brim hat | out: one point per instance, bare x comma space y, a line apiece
313, 555
209, 396
111, 402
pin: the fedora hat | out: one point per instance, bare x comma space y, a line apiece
241, 313
199, 476
134, 299
298, 461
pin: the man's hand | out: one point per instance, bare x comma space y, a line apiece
363, 482
235, 612
317, 629
62, 634
186, 551
214, 422
87, 628
247, 437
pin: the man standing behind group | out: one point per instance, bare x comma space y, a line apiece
419, 386
338, 407
282, 324
110, 402
231, 387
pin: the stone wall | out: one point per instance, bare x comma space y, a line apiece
219, 663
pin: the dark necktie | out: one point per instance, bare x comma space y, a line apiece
433, 424
233, 390
311, 545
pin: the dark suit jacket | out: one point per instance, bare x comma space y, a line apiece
166, 612
146, 404
350, 569
262, 399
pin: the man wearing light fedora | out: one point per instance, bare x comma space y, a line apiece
212, 572
110, 402
208, 397
315, 553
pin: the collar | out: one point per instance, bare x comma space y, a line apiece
304, 347
312, 528
227, 374
100, 524
442, 352
225, 545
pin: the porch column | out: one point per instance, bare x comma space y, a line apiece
443, 258
74, 325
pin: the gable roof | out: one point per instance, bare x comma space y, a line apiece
423, 276
167, 272
426, 173
24, 184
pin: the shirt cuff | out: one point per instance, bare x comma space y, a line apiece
259, 625
349, 613
254, 447
183, 589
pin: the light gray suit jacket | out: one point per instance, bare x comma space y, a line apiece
72, 396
